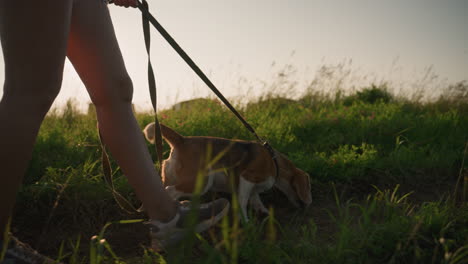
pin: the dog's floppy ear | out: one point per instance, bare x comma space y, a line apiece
301, 183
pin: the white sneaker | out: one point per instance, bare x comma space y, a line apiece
164, 235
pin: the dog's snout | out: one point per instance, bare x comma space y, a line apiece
302, 204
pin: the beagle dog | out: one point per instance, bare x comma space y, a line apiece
228, 165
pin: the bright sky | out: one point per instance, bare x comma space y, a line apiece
236, 43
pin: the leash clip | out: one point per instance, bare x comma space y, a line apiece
266, 145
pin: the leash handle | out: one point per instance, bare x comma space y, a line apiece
123, 203
152, 85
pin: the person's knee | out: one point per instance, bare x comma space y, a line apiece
115, 92
36, 92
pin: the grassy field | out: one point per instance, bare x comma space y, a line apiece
389, 184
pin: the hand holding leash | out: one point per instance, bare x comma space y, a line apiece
125, 3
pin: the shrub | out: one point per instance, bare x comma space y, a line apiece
370, 95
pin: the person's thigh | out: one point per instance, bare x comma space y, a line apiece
34, 37
94, 52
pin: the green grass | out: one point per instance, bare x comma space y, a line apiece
384, 171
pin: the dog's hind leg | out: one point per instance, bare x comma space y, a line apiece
245, 190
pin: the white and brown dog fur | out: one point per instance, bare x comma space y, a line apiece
250, 163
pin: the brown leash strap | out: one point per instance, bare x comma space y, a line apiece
152, 87
124, 204
148, 17
109, 178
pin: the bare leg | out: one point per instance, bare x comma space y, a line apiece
34, 39
95, 54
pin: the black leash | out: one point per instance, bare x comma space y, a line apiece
148, 18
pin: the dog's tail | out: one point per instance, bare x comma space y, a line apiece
173, 138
